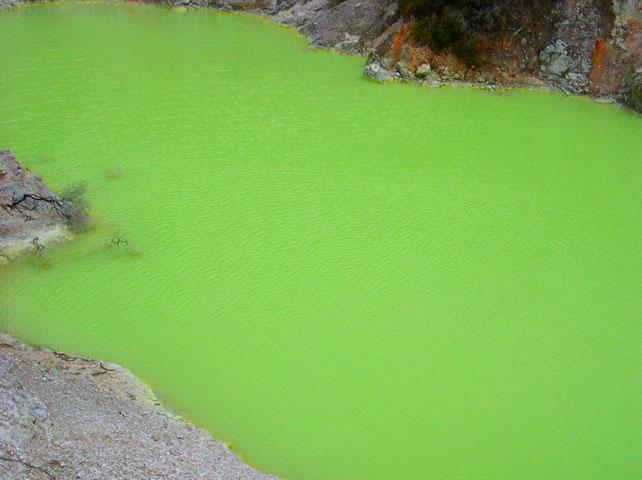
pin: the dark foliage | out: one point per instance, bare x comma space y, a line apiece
458, 24
76, 206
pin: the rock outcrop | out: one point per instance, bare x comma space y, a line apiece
30, 214
376, 71
589, 48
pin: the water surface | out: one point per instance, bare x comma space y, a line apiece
344, 280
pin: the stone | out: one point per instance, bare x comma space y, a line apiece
423, 70
558, 65
634, 87
349, 43
376, 72
402, 69
78, 425
28, 209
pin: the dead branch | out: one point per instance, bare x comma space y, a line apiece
56, 203
69, 358
71, 205
107, 369
117, 240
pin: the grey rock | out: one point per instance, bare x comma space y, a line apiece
28, 209
423, 70
432, 81
564, 67
374, 71
402, 70
558, 65
566, 61
634, 91
349, 43
628, 9
347, 26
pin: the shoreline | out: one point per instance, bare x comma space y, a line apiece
20, 244
70, 417
386, 73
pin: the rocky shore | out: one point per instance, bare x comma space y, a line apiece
589, 48
64, 417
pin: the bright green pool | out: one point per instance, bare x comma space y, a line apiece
345, 280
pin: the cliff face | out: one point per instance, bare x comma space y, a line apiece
582, 47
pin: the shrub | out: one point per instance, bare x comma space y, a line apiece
449, 29
74, 207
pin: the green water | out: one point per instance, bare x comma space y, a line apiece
345, 280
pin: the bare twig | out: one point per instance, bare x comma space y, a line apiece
41, 251
118, 241
69, 358
107, 369
121, 244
